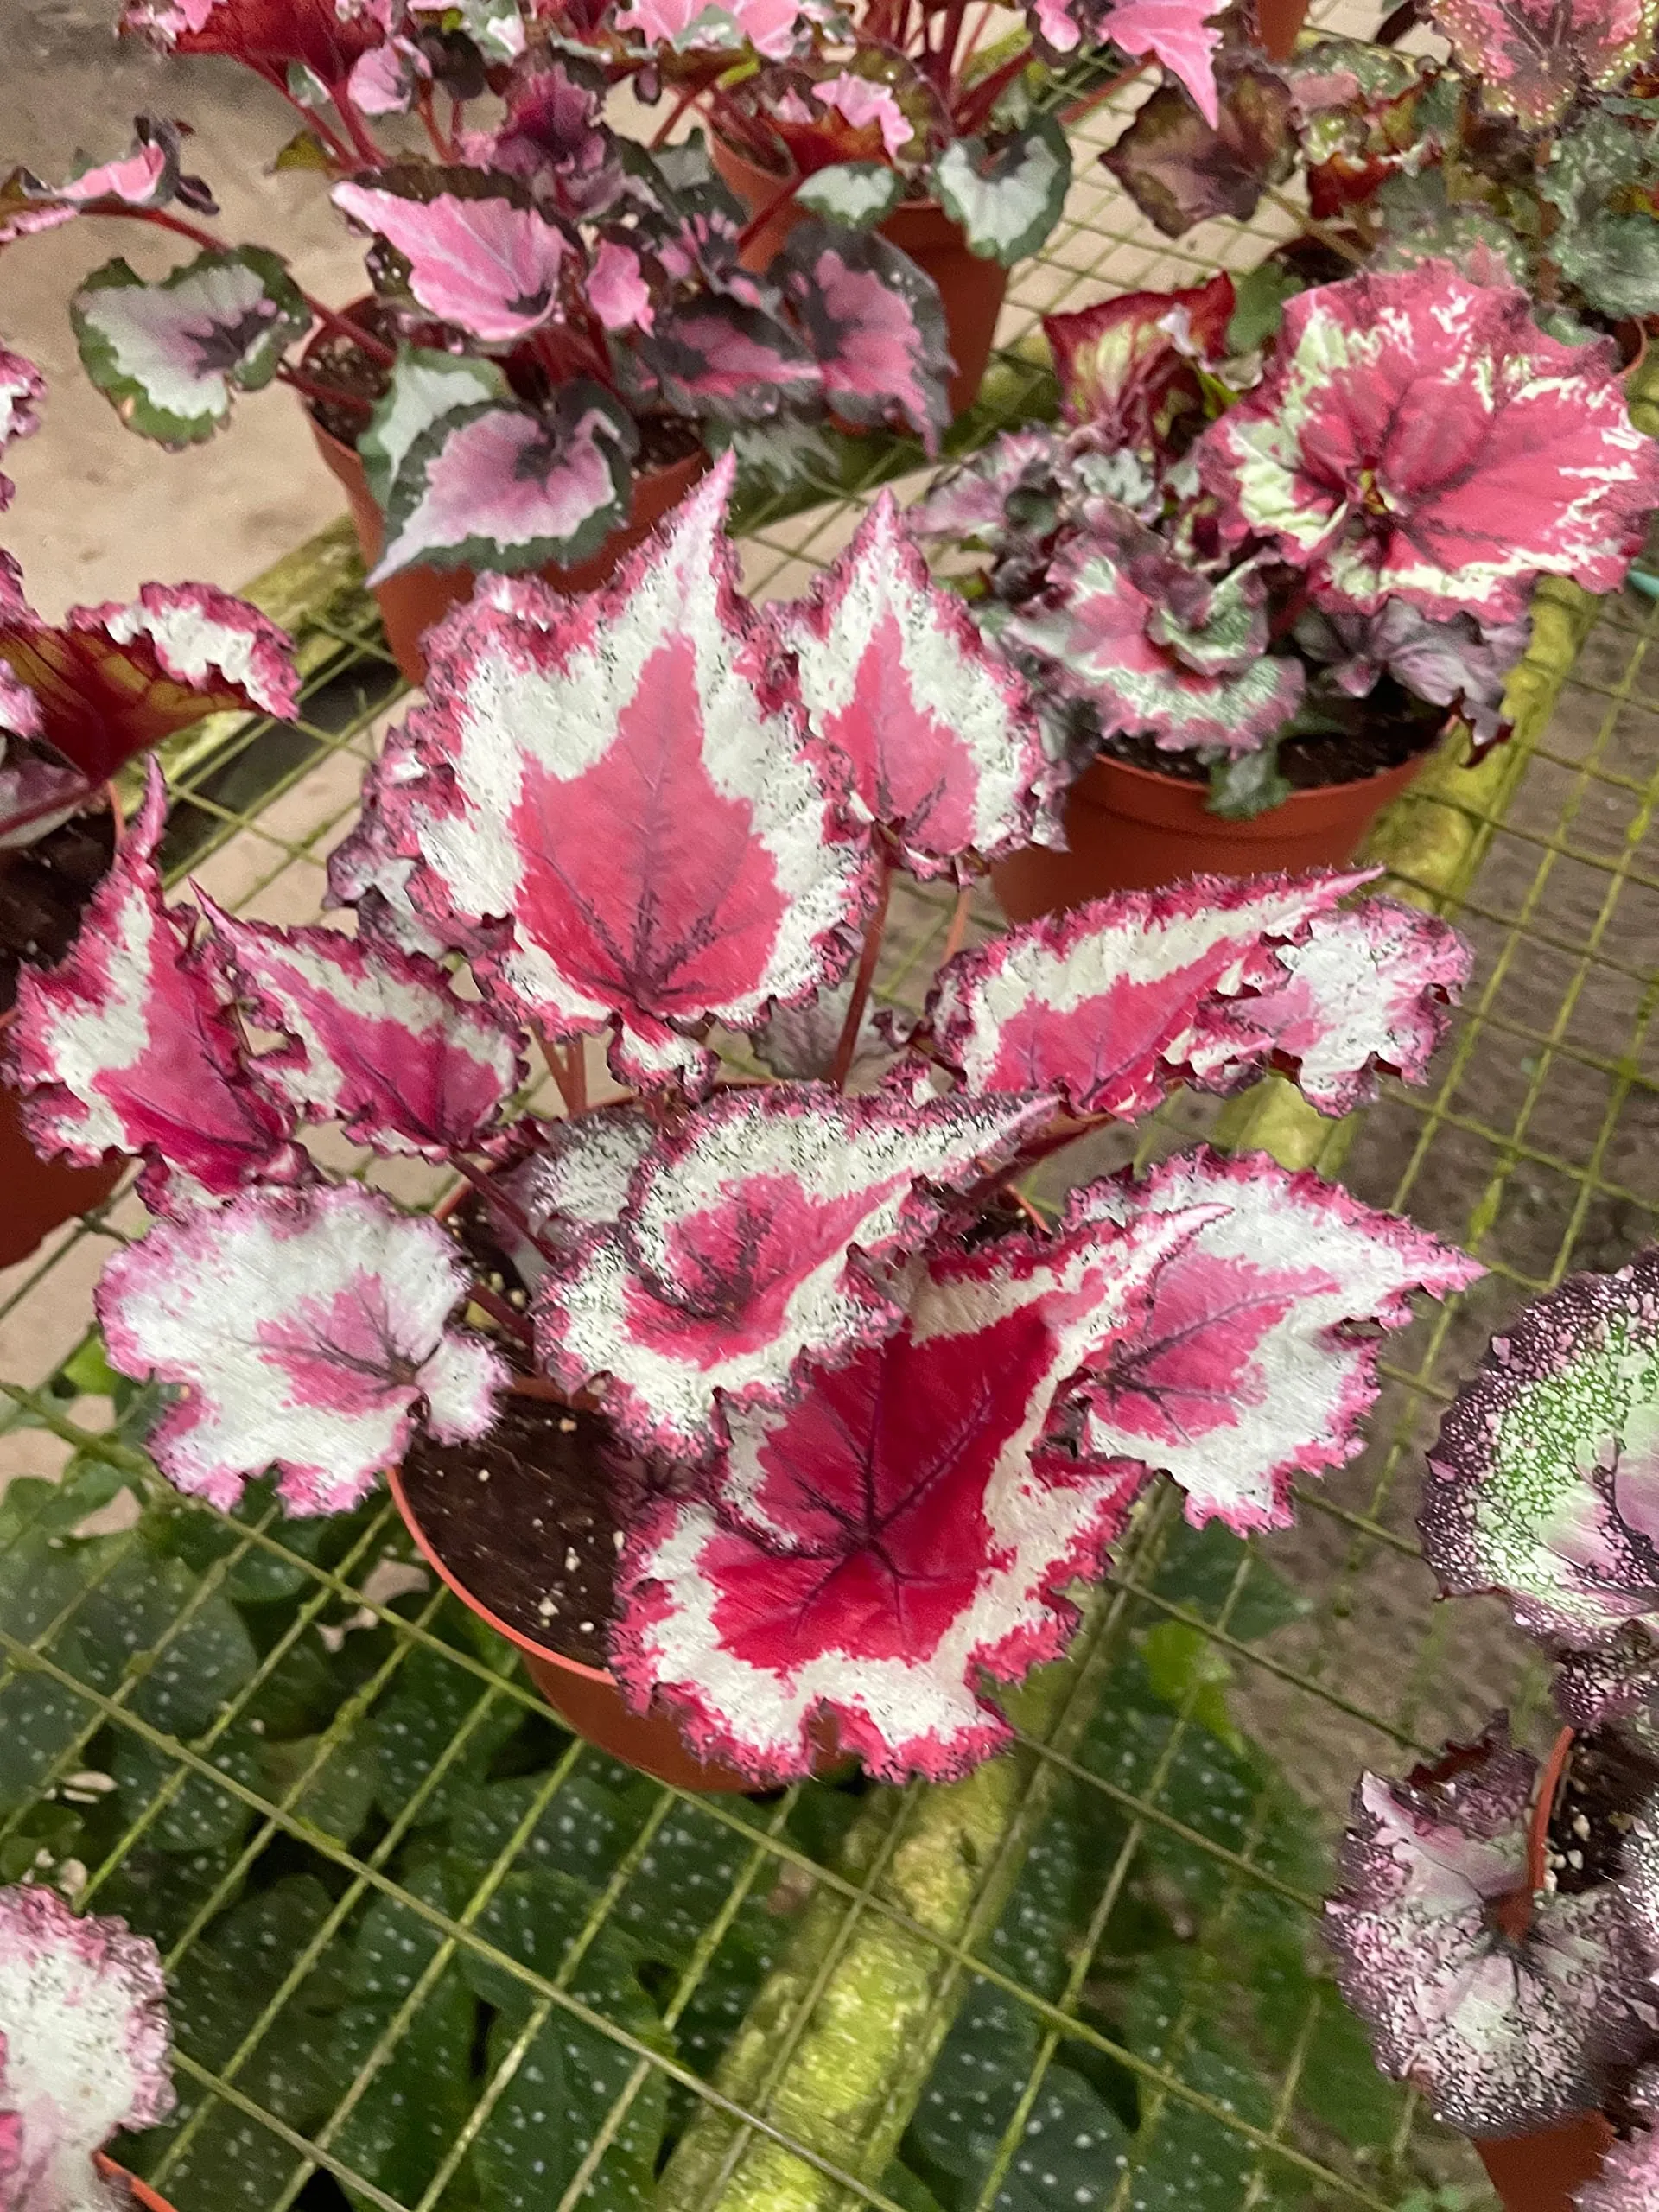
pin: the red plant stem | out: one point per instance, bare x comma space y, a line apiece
986, 11
499, 1203
1089, 101
874, 929
1550, 1788
958, 929
500, 1313
949, 38
1029, 1210
362, 136
332, 394
576, 1084
442, 146
975, 106
557, 1067
686, 100
764, 213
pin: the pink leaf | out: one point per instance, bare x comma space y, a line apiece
384, 80
1107, 1004
748, 1241
84, 2052
577, 1179
129, 1044
22, 390
482, 259
366, 871
115, 680
617, 291
943, 745
1178, 34
1502, 2034
307, 1329
1629, 2178
1093, 631
860, 101
1419, 434
614, 801
378, 1039
875, 326
769, 24
716, 354
1128, 366
866, 1552
1532, 60
1246, 1366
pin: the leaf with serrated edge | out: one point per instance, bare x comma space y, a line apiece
866, 1552
1246, 1367
856, 195
876, 327
485, 261
1542, 1481
1103, 1004
748, 1243
1629, 2178
1124, 364
1418, 435
614, 800
425, 387
1502, 2034
1007, 198
1532, 59
168, 355
309, 1330
378, 1038
129, 1044
85, 2048
943, 745
576, 1180
1177, 33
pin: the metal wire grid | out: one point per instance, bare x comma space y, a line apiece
1528, 1150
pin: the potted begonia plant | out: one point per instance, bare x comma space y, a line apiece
78, 700
560, 319
84, 2051
1499, 1925
746, 1404
1253, 592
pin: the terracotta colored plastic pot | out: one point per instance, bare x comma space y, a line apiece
970, 287
415, 598
587, 1698
1544, 2172
142, 2193
1277, 22
1129, 829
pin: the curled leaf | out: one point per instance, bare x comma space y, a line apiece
1181, 169
1128, 366
479, 256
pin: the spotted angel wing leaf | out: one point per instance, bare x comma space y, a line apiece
866, 1552
943, 743
750, 1240
308, 1330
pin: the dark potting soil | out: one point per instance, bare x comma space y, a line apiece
44, 888
1609, 1780
1308, 764
523, 1521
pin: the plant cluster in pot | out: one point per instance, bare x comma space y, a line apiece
1497, 1928
753, 1400
85, 2050
1252, 591
561, 320
78, 700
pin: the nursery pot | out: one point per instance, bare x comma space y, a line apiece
1543, 2172
1277, 22
416, 597
588, 1699
140, 2192
970, 286
1128, 828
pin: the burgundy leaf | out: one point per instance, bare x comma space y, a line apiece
971, 501
1544, 1483
1502, 2033
1181, 170
614, 802
1128, 366
482, 259
129, 1044
1106, 1004
866, 1551
749, 1241
23, 389
876, 327
379, 1041
1177, 33
945, 748
307, 1329
1453, 660
1246, 1366
267, 34
86, 2051
1418, 435
1532, 58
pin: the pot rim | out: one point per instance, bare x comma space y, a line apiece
143, 2195
1136, 774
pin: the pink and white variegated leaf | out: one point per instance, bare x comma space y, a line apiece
769, 25
1544, 1482
875, 326
1629, 2178
479, 256
614, 802
1533, 59
385, 79
576, 1180
867, 1551
309, 1330
1370, 987
1092, 630
860, 101
617, 290
1419, 434
942, 741
23, 389
377, 1038
86, 2049
1502, 2033
750, 1240
1106, 1004
1247, 1365
367, 872
129, 1044
1177, 33
148, 176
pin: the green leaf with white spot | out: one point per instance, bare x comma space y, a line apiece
1007, 197
433, 1699
856, 195
196, 1815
